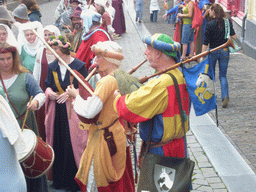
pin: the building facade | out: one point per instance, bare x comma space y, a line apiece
243, 14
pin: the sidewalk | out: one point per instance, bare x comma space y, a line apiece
219, 166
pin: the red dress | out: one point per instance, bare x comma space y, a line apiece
84, 52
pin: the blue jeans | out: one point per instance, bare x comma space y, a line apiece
139, 9
153, 16
222, 56
187, 34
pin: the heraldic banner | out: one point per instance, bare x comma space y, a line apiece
200, 84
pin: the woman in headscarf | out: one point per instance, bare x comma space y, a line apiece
33, 57
17, 85
61, 122
7, 36
30, 43
50, 31
105, 165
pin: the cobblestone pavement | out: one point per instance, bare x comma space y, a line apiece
205, 177
238, 121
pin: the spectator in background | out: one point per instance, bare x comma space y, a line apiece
204, 6
119, 20
214, 37
63, 13
139, 9
187, 31
154, 8
33, 10
178, 22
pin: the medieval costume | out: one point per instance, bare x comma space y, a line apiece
155, 104
62, 128
93, 33
119, 20
11, 144
24, 84
106, 163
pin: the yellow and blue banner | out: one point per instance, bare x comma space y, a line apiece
200, 84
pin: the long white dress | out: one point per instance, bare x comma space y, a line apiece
11, 175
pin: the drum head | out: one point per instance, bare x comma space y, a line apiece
30, 140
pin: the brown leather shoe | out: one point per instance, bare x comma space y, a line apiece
225, 103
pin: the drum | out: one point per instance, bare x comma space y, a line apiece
38, 157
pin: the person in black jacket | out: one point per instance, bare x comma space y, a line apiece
214, 37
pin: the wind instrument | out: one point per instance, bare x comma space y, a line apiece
229, 43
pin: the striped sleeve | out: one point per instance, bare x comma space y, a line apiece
143, 104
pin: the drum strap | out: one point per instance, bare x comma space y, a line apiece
19, 116
56, 79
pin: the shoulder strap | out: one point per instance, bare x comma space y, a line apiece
227, 28
177, 90
56, 79
179, 101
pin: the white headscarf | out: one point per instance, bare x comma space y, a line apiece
111, 46
52, 29
30, 48
11, 40
88, 17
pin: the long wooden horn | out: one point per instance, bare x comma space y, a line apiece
63, 62
229, 43
91, 74
136, 67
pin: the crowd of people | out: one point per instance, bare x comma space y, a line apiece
210, 34
31, 57
43, 71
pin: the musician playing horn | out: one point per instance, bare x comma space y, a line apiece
106, 161
156, 103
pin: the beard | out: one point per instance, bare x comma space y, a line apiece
77, 25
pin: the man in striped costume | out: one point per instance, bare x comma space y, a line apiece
155, 104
